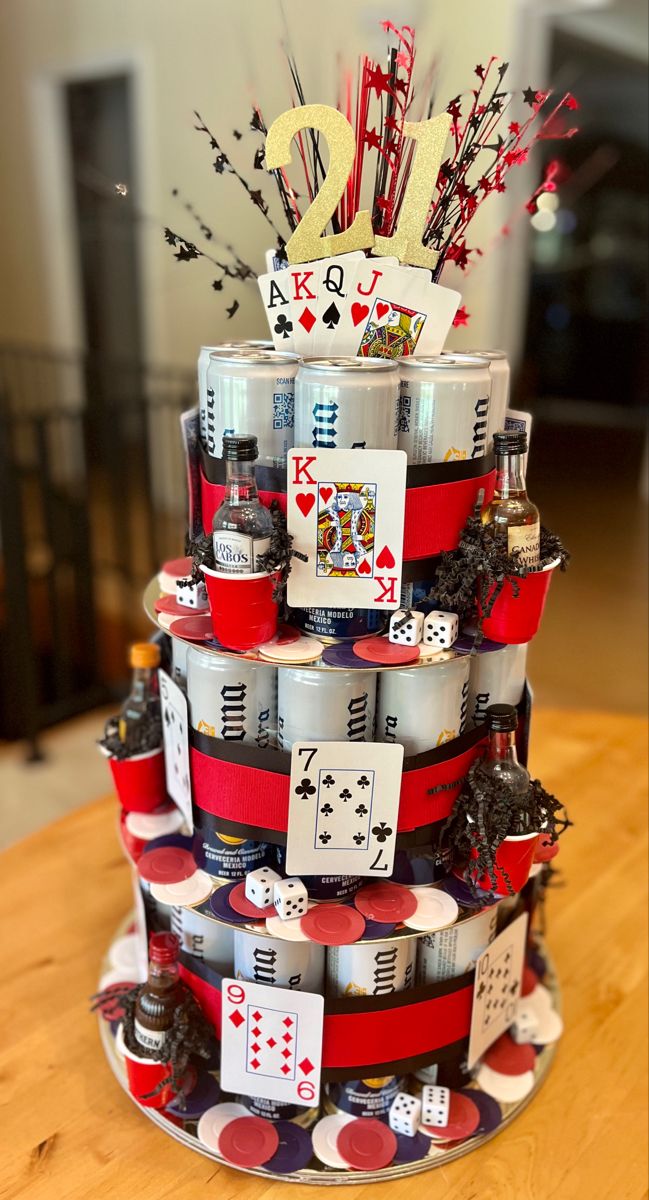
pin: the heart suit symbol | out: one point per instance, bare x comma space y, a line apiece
359, 311
364, 567
305, 502
385, 559
382, 309
325, 494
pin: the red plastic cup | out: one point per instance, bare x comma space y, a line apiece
516, 619
242, 608
143, 1075
140, 781
514, 858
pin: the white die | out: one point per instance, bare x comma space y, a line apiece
259, 886
435, 1104
290, 898
410, 633
191, 595
526, 1023
441, 629
405, 1114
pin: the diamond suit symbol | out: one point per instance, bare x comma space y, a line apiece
255, 1063
236, 1018
306, 1066
307, 319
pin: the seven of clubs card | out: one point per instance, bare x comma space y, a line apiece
173, 703
343, 808
497, 987
271, 1042
345, 514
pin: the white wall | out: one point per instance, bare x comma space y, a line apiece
216, 57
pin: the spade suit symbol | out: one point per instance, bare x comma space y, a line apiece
331, 316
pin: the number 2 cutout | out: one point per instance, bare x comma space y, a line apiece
309, 241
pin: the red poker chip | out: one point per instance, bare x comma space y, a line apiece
238, 900
248, 1141
169, 605
166, 864
530, 981
380, 650
386, 902
333, 924
463, 1119
180, 567
510, 1058
197, 628
367, 1144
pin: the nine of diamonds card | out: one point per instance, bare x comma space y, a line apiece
343, 808
345, 514
271, 1042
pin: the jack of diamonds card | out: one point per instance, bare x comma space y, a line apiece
497, 987
343, 808
271, 1042
345, 514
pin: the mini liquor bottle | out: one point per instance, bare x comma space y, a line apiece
143, 701
242, 526
510, 511
501, 760
161, 994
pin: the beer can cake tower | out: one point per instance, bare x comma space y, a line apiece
335, 972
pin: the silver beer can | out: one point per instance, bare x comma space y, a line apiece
252, 391
371, 968
210, 941
231, 699
497, 677
443, 407
279, 963
450, 952
344, 403
499, 403
179, 650
330, 706
424, 707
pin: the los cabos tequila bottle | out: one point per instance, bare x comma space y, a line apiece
511, 511
242, 526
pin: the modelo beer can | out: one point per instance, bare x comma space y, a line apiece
203, 364
443, 408
278, 1110
344, 403
279, 963
252, 391
499, 402
371, 968
496, 677
424, 707
232, 699
338, 624
330, 706
227, 858
450, 952
324, 887
209, 941
363, 1097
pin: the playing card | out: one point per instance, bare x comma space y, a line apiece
521, 422
302, 282
335, 276
343, 808
401, 313
271, 1042
345, 515
275, 293
364, 282
173, 703
274, 262
497, 987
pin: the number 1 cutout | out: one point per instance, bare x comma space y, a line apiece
407, 240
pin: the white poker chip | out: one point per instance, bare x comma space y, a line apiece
166, 620
147, 826
288, 931
435, 910
175, 568
325, 1136
430, 654
214, 1120
304, 649
508, 1089
186, 892
549, 1024
123, 956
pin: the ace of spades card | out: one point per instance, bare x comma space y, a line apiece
343, 808
173, 704
271, 1042
497, 987
345, 514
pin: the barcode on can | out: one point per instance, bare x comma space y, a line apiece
283, 410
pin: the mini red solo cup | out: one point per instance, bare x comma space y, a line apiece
242, 608
514, 858
516, 619
140, 780
144, 1074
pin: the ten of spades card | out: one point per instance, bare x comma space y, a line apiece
343, 808
345, 514
497, 987
271, 1042
173, 704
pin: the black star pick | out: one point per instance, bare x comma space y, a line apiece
234, 307
529, 96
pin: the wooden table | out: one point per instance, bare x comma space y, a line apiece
71, 1133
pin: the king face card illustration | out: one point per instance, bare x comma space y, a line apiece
345, 512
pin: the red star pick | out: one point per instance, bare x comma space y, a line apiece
461, 317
